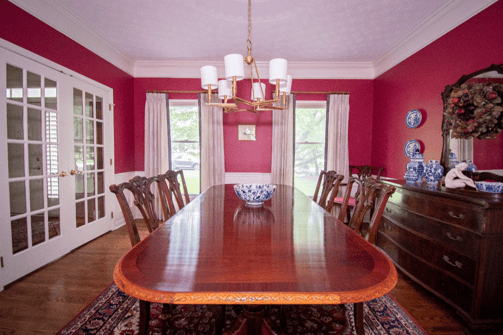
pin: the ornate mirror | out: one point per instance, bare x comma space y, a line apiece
473, 121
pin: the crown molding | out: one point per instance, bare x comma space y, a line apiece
51, 13
442, 21
298, 70
439, 23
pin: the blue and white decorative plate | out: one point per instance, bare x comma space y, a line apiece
411, 147
413, 118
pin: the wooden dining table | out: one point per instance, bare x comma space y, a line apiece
217, 250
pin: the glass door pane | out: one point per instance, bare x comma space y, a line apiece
88, 157
33, 161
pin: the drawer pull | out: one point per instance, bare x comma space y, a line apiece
455, 264
460, 216
388, 210
387, 226
457, 238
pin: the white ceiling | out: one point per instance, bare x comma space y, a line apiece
319, 38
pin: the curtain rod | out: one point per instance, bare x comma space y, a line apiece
294, 92
150, 91
300, 92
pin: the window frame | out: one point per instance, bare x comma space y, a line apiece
179, 103
310, 104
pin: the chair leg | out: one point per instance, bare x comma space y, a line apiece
220, 318
358, 311
144, 316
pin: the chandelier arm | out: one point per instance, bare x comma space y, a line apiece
251, 81
258, 77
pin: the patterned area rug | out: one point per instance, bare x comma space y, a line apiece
115, 313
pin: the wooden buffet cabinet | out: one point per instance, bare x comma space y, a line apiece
451, 243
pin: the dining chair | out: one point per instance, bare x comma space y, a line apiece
139, 201
166, 194
147, 207
176, 182
179, 318
328, 182
375, 199
362, 172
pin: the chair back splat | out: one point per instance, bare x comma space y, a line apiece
174, 185
365, 171
372, 195
166, 196
147, 208
329, 182
382, 193
118, 190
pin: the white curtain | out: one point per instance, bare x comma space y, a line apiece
337, 134
212, 143
156, 135
283, 144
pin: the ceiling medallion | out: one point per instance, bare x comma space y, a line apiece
234, 72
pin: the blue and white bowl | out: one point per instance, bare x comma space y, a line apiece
255, 194
489, 186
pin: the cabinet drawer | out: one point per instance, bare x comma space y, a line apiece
438, 255
450, 235
449, 288
462, 214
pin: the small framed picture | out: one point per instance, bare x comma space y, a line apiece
246, 132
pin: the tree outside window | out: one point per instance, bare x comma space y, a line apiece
310, 128
185, 149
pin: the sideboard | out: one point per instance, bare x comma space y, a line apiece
450, 242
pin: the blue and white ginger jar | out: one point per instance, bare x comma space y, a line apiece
434, 172
471, 167
411, 177
453, 160
417, 164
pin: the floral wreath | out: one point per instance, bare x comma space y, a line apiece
474, 110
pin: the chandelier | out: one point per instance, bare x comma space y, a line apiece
234, 72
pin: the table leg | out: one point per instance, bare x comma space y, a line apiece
253, 315
144, 316
358, 310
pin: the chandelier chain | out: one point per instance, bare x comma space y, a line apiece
248, 41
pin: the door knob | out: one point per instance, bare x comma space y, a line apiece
73, 172
63, 174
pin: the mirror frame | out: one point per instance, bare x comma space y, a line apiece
444, 160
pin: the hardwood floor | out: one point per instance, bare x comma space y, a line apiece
46, 300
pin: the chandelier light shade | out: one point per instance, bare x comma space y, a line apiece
209, 77
234, 67
258, 91
286, 88
234, 72
224, 89
277, 71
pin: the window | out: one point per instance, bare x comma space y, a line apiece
310, 130
185, 149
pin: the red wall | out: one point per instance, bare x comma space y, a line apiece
418, 81
377, 107
24, 30
255, 156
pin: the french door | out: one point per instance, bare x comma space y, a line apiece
54, 134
